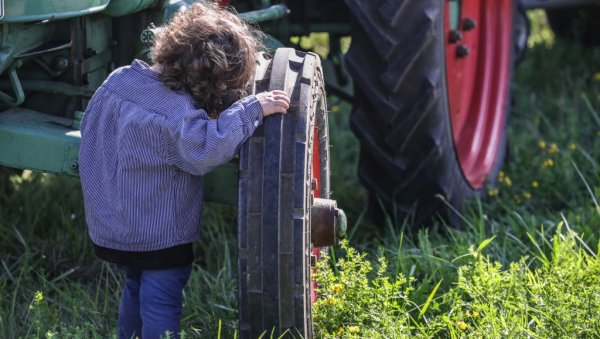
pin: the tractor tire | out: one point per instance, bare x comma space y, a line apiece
283, 166
430, 137
580, 24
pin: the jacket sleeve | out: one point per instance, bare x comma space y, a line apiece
197, 144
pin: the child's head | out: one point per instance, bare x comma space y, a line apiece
208, 52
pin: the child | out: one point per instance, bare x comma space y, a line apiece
148, 136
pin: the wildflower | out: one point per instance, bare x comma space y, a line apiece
542, 144
535, 184
39, 296
501, 176
335, 108
507, 181
330, 301
467, 314
50, 335
339, 332
475, 314
337, 288
492, 192
462, 325
548, 163
553, 148
353, 329
572, 146
597, 76
527, 195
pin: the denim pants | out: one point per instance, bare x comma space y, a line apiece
151, 302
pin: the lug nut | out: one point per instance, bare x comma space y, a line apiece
462, 51
469, 24
454, 36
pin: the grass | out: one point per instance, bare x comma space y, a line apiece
523, 264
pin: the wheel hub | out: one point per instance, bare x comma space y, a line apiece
328, 223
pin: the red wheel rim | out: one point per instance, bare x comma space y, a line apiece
316, 191
478, 83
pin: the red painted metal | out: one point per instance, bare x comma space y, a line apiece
316, 191
478, 85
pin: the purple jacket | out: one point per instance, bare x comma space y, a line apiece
144, 149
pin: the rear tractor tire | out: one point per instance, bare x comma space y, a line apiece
432, 100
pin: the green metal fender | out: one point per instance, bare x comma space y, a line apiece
36, 10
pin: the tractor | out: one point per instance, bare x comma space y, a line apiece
429, 82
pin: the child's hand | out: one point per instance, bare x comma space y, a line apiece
273, 102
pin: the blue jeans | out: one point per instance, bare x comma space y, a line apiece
151, 302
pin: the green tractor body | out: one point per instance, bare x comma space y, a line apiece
53, 56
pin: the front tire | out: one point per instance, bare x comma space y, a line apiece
283, 166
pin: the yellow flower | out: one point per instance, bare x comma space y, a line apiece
527, 195
572, 146
339, 332
548, 163
462, 325
335, 108
330, 301
597, 76
542, 144
535, 184
467, 314
475, 314
39, 296
553, 148
337, 288
492, 192
353, 329
507, 182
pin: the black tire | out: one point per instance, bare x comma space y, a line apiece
580, 24
275, 198
408, 160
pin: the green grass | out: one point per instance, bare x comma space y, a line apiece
523, 264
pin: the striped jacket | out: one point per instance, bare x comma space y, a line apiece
144, 149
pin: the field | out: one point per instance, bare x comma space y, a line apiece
523, 264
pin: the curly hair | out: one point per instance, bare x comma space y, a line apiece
209, 52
